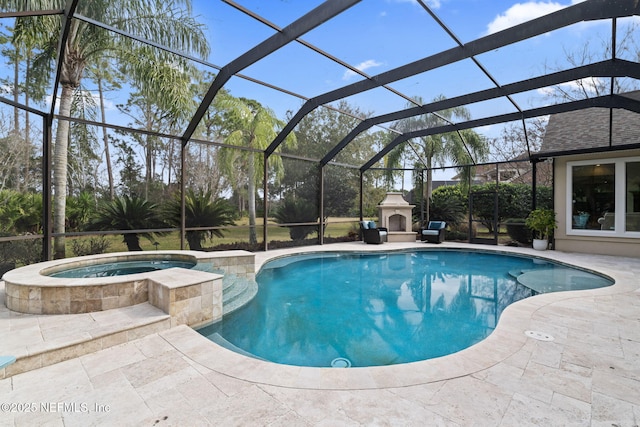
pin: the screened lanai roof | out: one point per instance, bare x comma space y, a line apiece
389, 59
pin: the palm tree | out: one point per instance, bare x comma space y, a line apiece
20, 212
253, 127
461, 148
201, 210
168, 23
128, 213
80, 209
292, 210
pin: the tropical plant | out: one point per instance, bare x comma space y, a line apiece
291, 211
316, 135
254, 127
450, 210
168, 23
201, 210
462, 148
20, 212
542, 222
128, 213
79, 210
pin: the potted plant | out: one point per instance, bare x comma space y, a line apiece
542, 222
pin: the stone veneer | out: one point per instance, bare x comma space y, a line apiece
190, 296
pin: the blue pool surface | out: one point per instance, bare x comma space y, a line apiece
121, 268
375, 309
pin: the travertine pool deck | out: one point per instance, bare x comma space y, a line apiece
588, 375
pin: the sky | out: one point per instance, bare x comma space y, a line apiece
379, 35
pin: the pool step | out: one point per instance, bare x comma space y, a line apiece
236, 292
50, 342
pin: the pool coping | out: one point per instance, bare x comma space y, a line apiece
505, 341
189, 295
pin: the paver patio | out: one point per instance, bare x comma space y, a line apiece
588, 375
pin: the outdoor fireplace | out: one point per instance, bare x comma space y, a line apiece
395, 214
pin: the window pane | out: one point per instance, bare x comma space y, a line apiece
593, 197
632, 220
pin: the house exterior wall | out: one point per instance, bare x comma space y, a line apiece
565, 240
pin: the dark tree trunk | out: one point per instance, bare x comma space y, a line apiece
132, 241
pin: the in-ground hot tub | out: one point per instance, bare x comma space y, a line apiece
122, 268
191, 296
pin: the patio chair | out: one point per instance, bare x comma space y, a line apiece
434, 233
372, 234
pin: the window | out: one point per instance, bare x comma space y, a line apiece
599, 190
632, 196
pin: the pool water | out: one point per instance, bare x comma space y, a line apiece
121, 268
380, 309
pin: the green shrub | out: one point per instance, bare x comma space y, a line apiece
542, 222
17, 253
452, 210
93, 246
460, 231
518, 231
291, 211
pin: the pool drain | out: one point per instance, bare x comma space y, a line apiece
340, 362
540, 336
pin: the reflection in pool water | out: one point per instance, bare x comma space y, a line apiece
381, 309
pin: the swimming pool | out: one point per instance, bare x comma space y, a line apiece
372, 309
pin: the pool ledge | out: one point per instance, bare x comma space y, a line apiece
503, 346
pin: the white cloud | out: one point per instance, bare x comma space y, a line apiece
363, 66
589, 85
522, 12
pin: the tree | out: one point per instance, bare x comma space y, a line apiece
80, 209
318, 133
128, 213
201, 210
512, 142
20, 212
203, 164
291, 211
449, 203
130, 171
168, 23
10, 146
83, 162
105, 79
460, 148
514, 201
253, 127
627, 45
146, 115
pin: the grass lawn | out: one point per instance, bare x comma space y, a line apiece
239, 233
